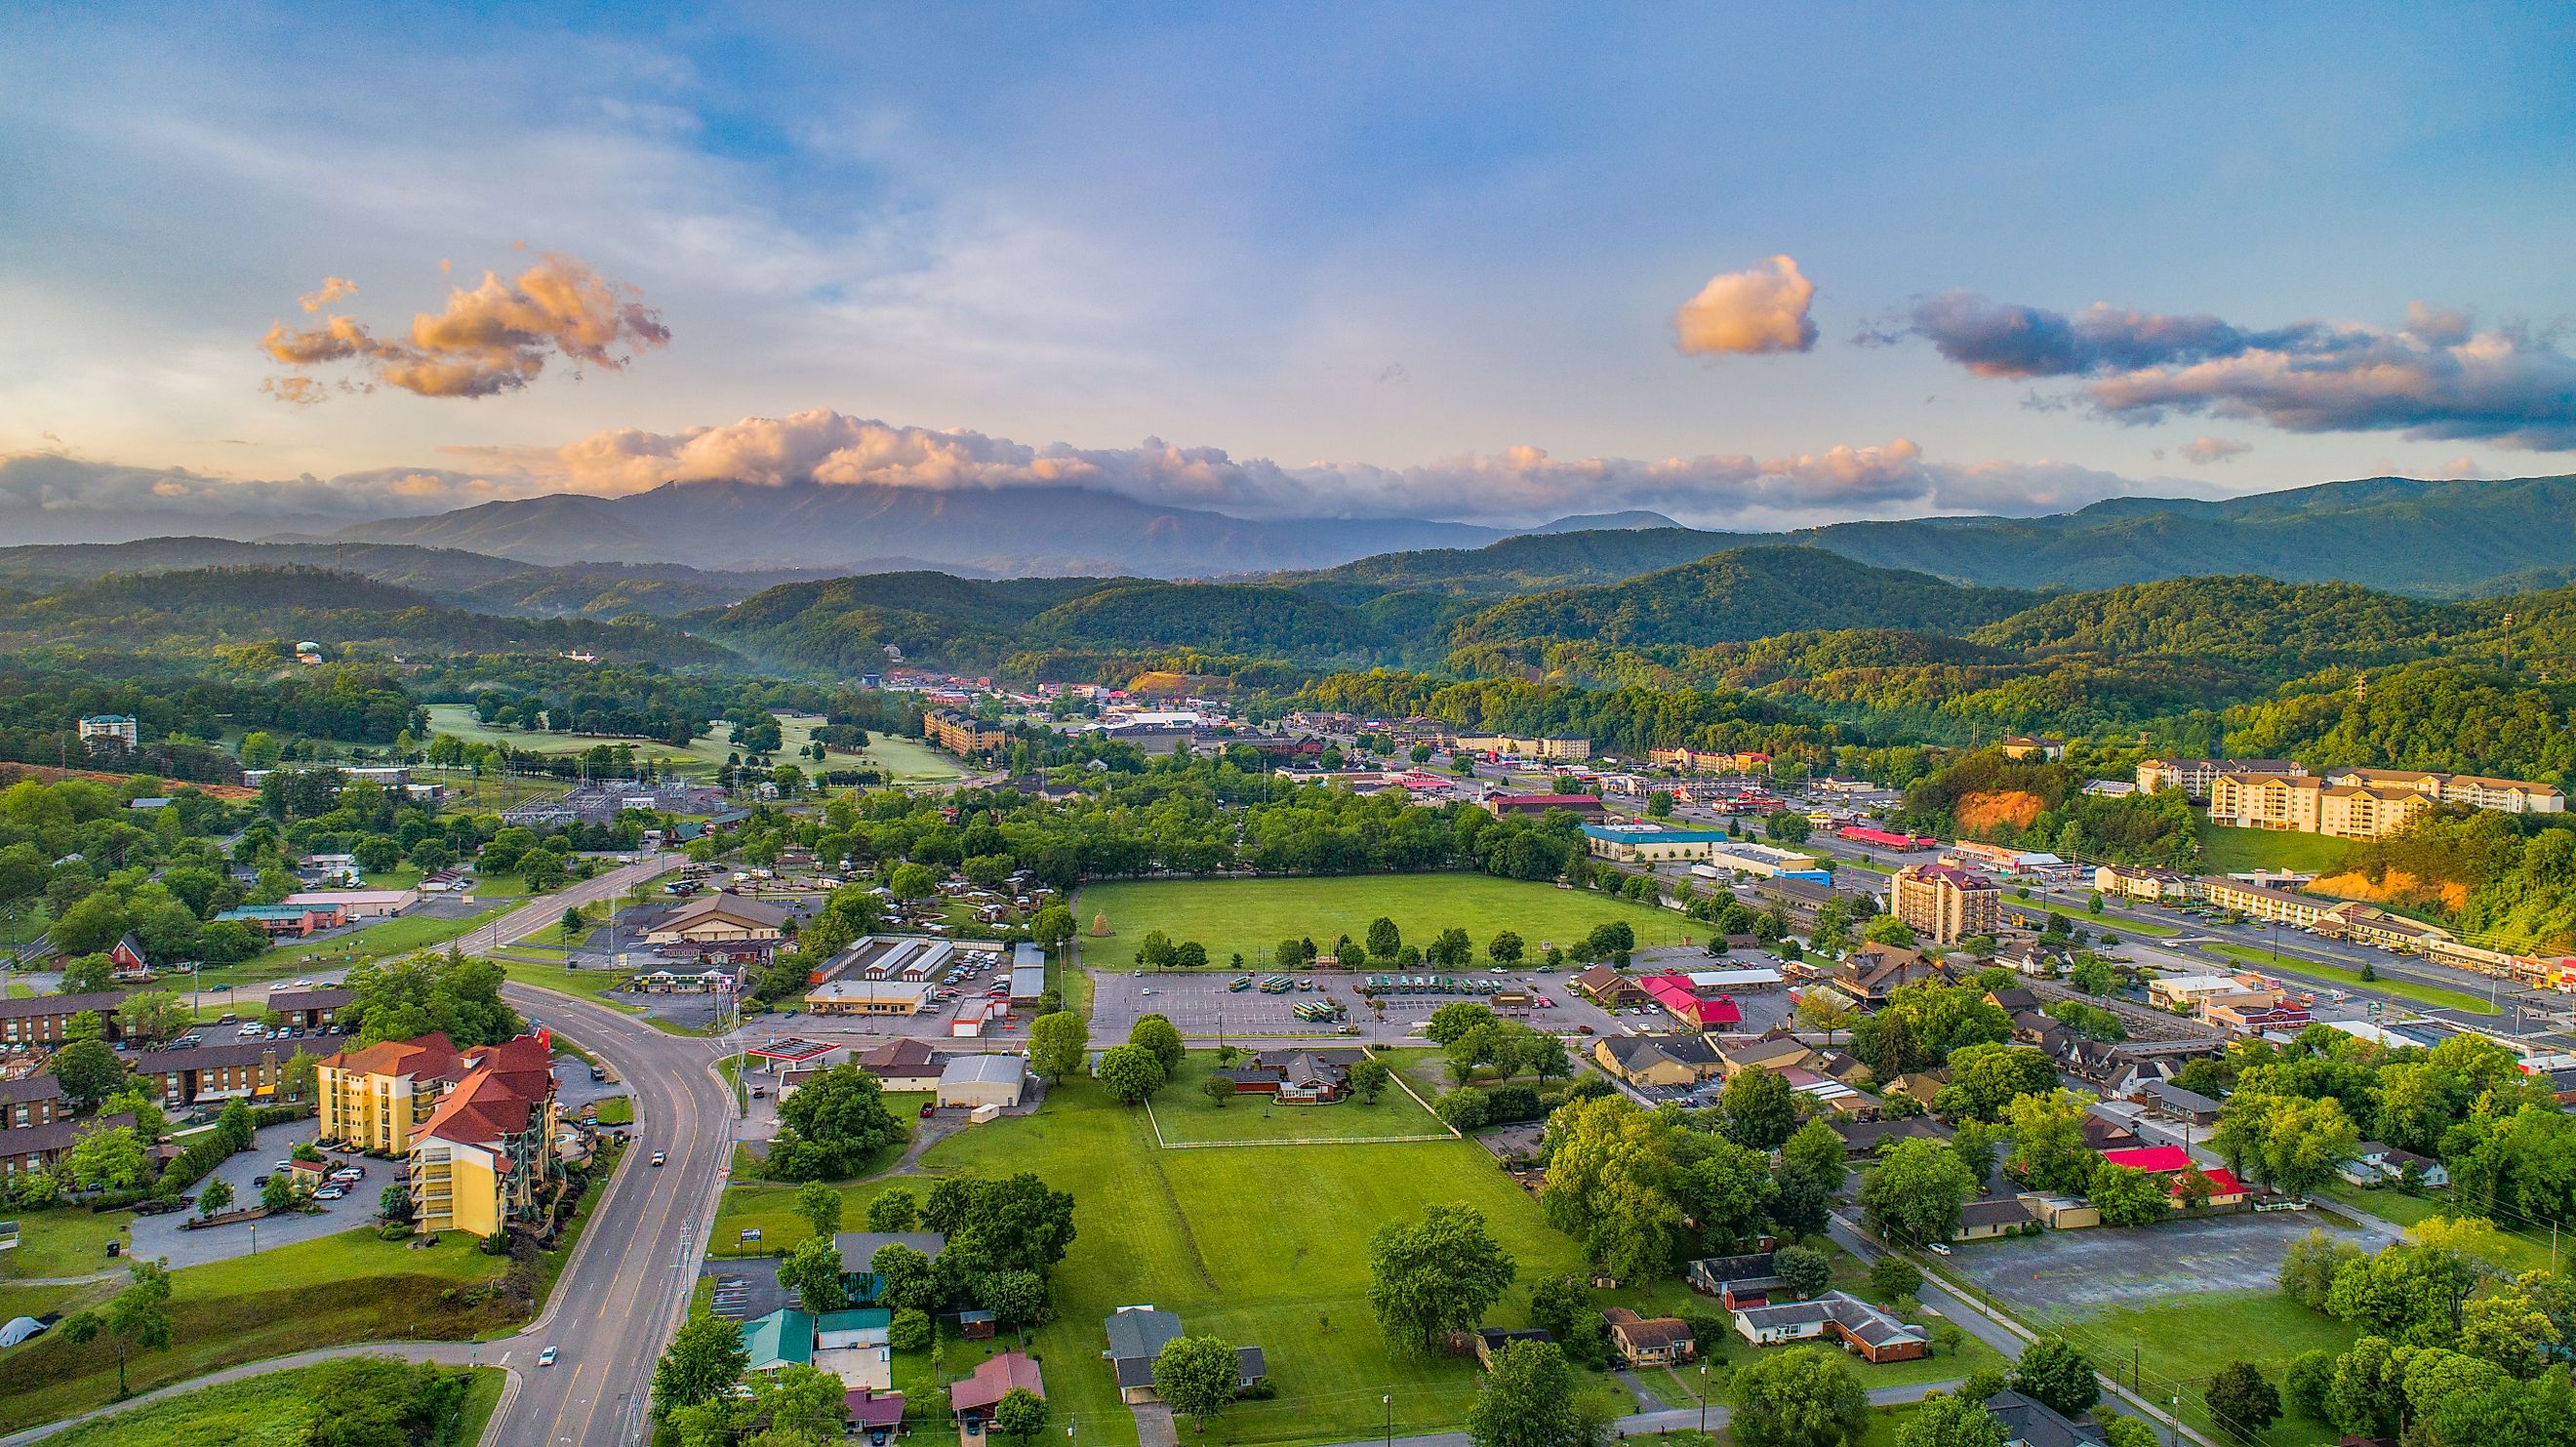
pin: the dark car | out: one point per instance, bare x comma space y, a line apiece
929, 1108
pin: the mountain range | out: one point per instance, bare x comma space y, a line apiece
2436, 538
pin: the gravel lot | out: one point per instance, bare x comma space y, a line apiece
2078, 1271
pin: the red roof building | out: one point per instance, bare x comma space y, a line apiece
2176, 1163
994, 1377
1862, 834
1683, 1003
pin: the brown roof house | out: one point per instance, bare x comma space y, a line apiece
1649, 1341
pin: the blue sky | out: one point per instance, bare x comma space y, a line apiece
1396, 241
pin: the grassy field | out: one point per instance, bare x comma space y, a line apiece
1259, 1245
2405, 990
1254, 915
400, 936
270, 1410
906, 761
2523, 1250
617, 1110
64, 1241
1184, 1115
350, 1287
2230, 851
2183, 1340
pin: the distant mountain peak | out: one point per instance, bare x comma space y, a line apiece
1633, 520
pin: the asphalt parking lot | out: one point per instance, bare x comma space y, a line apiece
160, 1236
2077, 1271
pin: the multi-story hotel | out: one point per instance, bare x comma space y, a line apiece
1944, 903
2359, 803
962, 734
477, 1125
2195, 777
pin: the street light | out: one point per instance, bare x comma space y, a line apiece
1387, 1400
1703, 1399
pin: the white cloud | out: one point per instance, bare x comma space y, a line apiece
1760, 310
2202, 451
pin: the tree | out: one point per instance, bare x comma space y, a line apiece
1506, 948
1815, 1149
813, 1272
1155, 950
1130, 1073
137, 1318
1787, 827
1219, 1090
705, 1359
1952, 1421
1020, 1415
2242, 1401
1368, 1079
1915, 1192
1531, 1398
803, 1404
394, 1203
2093, 975
1058, 1043
1196, 1375
87, 974
89, 1071
910, 882
1051, 927
278, 1194
1384, 939
1803, 1271
2305, 1385
1892, 1278
820, 1205
2129, 1432
1759, 1108
2057, 1371
154, 1016
1160, 1036
1803, 1397
1887, 929
2307, 1140
904, 1276
894, 1209
831, 1126
214, 1196
1457, 1019
1438, 1273
109, 1158
2127, 1196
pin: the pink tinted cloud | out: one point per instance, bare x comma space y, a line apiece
497, 337
1763, 309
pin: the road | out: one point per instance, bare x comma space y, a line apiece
1670, 1419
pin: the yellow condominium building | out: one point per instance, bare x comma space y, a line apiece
485, 1159
961, 733
376, 1098
2357, 803
2475, 791
2267, 801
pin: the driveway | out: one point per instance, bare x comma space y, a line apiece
160, 1236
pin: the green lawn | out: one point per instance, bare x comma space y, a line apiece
617, 1110
2184, 1339
2403, 989
2523, 1251
1263, 1245
63, 1241
2231, 851
403, 935
1185, 1115
270, 1410
1253, 915
350, 1287
906, 761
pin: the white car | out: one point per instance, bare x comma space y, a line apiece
330, 1193
546, 1358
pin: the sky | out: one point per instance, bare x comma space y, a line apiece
1750, 267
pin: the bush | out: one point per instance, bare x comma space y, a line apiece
1259, 1389
910, 1331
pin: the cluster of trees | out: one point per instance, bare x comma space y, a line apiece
831, 1127
1643, 1190
2452, 1350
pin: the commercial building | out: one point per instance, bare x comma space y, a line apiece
1555, 749
718, 919
2261, 901
2139, 881
962, 734
1710, 761
1944, 903
981, 1080
119, 727
2029, 746
2195, 776
1761, 861
355, 904
855, 995
1648, 844
1859, 1326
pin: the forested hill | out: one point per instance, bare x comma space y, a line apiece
269, 610
2292, 626
461, 579
1742, 595
2393, 534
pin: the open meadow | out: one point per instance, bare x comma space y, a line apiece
1251, 916
906, 761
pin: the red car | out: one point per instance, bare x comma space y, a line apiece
929, 1108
